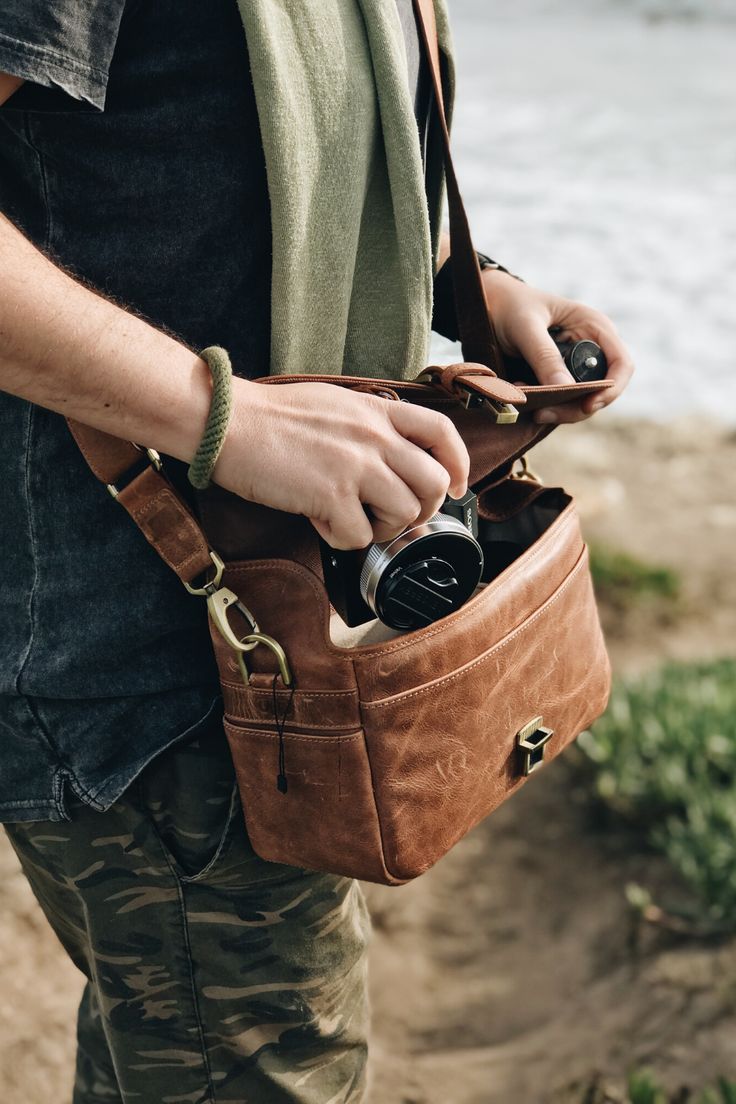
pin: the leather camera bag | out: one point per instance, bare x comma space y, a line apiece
373, 759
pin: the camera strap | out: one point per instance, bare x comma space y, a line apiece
477, 336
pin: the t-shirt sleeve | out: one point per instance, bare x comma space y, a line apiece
61, 44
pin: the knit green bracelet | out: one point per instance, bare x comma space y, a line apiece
213, 438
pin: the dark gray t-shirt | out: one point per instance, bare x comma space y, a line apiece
133, 157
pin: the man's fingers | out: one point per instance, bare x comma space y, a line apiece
562, 414
540, 352
405, 479
347, 527
427, 478
392, 504
620, 364
594, 327
383, 507
434, 432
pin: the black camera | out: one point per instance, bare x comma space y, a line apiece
431, 569
585, 361
424, 573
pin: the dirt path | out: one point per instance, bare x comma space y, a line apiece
511, 972
526, 975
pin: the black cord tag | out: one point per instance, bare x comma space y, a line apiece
282, 784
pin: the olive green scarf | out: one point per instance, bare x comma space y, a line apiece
354, 234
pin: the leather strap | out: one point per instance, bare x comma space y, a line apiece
479, 342
153, 503
463, 379
155, 506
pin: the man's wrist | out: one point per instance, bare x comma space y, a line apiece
444, 315
487, 263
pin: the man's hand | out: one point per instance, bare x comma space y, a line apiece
309, 448
327, 452
522, 315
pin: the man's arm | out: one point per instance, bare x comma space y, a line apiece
72, 351
314, 449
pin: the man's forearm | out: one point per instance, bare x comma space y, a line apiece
70, 350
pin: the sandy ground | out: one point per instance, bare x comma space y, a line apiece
513, 971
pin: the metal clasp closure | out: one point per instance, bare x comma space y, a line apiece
503, 413
212, 586
219, 604
525, 473
220, 601
531, 741
248, 643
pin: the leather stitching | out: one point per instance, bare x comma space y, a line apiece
520, 566
524, 627
237, 730
302, 696
185, 525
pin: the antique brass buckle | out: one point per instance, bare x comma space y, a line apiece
531, 741
503, 413
248, 643
210, 587
153, 458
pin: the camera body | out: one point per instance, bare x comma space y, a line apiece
424, 573
585, 361
431, 569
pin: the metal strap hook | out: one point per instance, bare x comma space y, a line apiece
219, 604
252, 641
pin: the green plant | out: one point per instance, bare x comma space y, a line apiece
622, 580
727, 1090
664, 758
643, 1089
724, 1093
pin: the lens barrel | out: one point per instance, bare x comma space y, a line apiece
424, 573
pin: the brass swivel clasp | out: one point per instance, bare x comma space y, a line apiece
220, 602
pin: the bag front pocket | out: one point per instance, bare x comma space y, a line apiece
447, 753
327, 819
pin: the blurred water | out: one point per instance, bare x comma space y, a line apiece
597, 152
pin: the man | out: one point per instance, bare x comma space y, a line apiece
138, 180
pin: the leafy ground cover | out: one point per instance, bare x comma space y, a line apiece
623, 580
644, 1088
663, 758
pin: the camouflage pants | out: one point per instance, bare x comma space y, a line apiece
212, 976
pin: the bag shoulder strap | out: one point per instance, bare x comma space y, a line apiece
477, 336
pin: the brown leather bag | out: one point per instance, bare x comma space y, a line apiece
372, 760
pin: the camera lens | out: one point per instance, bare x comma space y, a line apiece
585, 360
424, 573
